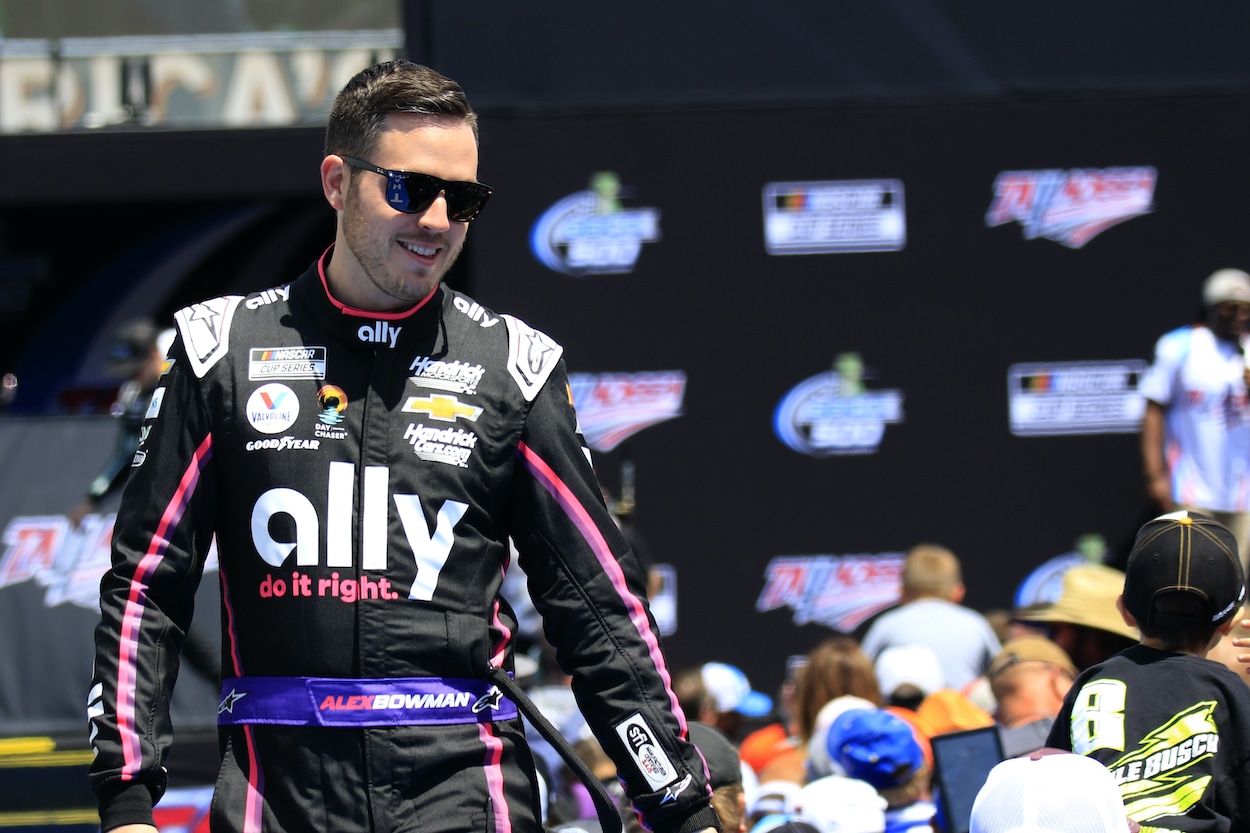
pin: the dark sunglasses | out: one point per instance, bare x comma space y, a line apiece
413, 193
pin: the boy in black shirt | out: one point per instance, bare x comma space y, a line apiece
1172, 726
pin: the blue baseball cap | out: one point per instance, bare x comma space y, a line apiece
876, 746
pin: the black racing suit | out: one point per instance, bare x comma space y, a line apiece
362, 474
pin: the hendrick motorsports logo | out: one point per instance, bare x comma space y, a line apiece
611, 407
839, 591
844, 216
833, 414
589, 233
1075, 398
1071, 207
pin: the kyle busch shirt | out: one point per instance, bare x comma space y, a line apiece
1173, 729
362, 475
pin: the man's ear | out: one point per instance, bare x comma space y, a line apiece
1124, 614
958, 593
334, 180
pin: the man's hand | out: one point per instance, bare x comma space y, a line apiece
134, 828
1243, 642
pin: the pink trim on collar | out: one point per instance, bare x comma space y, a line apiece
364, 313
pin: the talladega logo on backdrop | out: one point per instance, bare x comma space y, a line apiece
1071, 207
66, 560
589, 233
839, 591
611, 407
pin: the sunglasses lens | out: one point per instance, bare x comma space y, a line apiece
465, 200
413, 193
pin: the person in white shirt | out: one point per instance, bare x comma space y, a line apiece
1195, 436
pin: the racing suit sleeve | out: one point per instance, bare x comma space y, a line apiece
591, 593
160, 540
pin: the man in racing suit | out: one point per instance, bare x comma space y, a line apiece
363, 442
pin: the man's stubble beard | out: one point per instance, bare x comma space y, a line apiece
375, 264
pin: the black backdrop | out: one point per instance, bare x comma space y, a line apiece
941, 321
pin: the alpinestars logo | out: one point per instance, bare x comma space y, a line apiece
1071, 207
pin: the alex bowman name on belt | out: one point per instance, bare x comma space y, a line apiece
328, 701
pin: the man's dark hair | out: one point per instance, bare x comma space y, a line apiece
1197, 631
359, 113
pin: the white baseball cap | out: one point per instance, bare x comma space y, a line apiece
1226, 285
901, 665
837, 804
1050, 792
731, 691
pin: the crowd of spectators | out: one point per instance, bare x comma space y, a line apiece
846, 744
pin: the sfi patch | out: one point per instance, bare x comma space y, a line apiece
646, 751
205, 329
532, 355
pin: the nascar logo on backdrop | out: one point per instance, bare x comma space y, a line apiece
589, 233
847, 216
1071, 207
1075, 397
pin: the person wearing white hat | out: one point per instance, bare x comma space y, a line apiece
1195, 435
1050, 792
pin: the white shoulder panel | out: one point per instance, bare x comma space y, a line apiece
532, 355
205, 329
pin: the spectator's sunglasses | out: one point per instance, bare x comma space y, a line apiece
413, 193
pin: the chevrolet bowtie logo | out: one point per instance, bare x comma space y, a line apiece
442, 407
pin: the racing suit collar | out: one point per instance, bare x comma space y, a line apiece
369, 330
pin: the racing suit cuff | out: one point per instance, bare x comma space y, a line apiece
132, 804
701, 820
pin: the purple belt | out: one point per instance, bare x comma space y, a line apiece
331, 701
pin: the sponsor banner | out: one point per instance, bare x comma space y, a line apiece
838, 591
253, 79
591, 233
1071, 207
833, 414
865, 215
612, 407
1097, 397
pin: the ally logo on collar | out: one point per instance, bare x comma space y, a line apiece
379, 332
